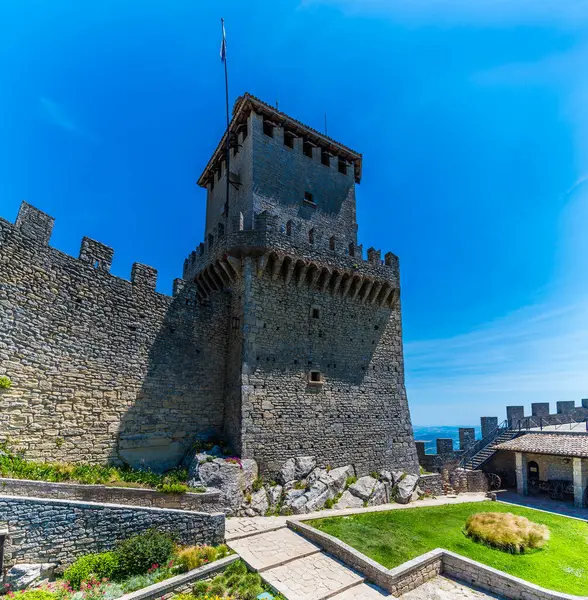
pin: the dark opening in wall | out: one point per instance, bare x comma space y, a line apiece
289, 228
212, 183
352, 249
325, 158
221, 230
307, 148
342, 166
309, 198
210, 240
268, 128
332, 242
315, 377
315, 312
311, 236
288, 139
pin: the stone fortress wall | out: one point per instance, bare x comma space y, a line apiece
101, 366
281, 336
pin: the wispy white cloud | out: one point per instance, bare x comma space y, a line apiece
538, 353
570, 12
57, 115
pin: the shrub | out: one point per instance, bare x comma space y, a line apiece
257, 484
235, 582
193, 557
350, 481
5, 382
33, 595
172, 488
141, 552
506, 532
84, 568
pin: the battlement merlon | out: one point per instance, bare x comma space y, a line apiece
36, 227
241, 110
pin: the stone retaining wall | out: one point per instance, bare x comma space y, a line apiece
432, 484
43, 530
410, 575
180, 583
209, 502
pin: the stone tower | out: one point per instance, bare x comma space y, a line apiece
314, 340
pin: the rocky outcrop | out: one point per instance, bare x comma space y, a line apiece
233, 478
23, 576
297, 468
406, 489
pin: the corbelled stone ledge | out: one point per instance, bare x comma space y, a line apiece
209, 501
410, 575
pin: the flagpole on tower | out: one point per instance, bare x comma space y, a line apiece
223, 54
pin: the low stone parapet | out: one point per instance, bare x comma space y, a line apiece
43, 530
413, 573
209, 501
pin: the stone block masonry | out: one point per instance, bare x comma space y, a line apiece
102, 367
41, 530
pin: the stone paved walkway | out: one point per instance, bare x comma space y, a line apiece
299, 569
443, 588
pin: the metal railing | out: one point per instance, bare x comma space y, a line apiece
558, 422
478, 446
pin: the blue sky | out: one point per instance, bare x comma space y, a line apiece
472, 118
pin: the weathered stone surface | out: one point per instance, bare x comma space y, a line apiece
348, 500
317, 500
259, 502
297, 468
232, 479
379, 495
363, 487
405, 489
297, 505
151, 451
386, 476
396, 476
274, 494
60, 530
292, 495
336, 479
20, 577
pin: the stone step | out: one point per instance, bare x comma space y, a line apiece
362, 591
315, 577
272, 548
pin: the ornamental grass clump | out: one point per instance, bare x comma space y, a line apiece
506, 532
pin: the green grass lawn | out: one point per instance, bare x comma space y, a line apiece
393, 537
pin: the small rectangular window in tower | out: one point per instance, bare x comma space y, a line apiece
315, 312
289, 139
332, 243
309, 199
268, 128
325, 158
311, 236
307, 148
342, 167
315, 377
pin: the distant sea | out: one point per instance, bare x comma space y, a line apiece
430, 434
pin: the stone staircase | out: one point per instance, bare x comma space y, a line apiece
476, 461
299, 569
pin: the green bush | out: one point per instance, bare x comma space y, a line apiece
141, 552
257, 484
172, 488
350, 481
101, 565
33, 595
5, 382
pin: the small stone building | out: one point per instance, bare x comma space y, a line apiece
549, 461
